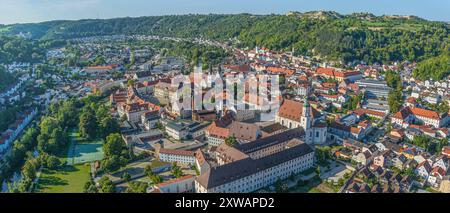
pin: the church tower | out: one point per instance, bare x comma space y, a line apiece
306, 121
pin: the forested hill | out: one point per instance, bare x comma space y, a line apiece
329, 35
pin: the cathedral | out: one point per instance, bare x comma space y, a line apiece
294, 114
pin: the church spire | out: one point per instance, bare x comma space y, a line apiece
306, 108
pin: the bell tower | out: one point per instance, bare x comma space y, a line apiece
306, 121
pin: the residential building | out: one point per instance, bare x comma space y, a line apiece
179, 156
184, 184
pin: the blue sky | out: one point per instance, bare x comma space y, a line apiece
20, 11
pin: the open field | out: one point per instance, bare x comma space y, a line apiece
75, 172
68, 179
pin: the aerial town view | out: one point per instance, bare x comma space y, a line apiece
223, 96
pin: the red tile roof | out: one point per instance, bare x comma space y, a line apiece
333, 73
402, 114
279, 70
361, 112
438, 170
217, 131
174, 181
425, 113
325, 71
109, 67
240, 68
293, 110
176, 152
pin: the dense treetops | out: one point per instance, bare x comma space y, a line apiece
19, 50
6, 78
329, 35
436, 67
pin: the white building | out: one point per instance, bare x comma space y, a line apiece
255, 165
179, 156
428, 117
183, 184
178, 131
249, 175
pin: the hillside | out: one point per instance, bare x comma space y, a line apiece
330, 35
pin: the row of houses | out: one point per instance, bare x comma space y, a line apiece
7, 137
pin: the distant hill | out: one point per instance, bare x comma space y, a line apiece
327, 34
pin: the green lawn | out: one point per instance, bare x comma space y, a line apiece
68, 179
431, 190
315, 190
310, 186
157, 163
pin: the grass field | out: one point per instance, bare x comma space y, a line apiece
71, 177
68, 179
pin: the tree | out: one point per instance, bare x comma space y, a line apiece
59, 139
341, 182
148, 171
114, 145
160, 126
317, 170
29, 169
176, 170
52, 143
116, 154
99, 60
231, 141
136, 187
156, 179
106, 185
68, 114
440, 144
281, 187
50, 161
126, 177
436, 68
111, 164
88, 123
108, 126
131, 83
394, 101
89, 187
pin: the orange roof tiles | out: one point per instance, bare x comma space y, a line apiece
174, 181
109, 67
361, 112
217, 131
176, 152
293, 110
325, 71
425, 113
281, 70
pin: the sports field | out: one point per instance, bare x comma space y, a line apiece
83, 151
71, 177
